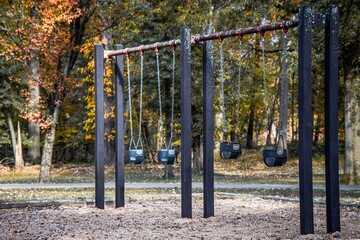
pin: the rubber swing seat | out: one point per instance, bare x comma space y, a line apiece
230, 150
167, 156
274, 157
136, 156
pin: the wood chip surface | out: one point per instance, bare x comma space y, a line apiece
242, 218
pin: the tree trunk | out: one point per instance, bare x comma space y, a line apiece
271, 123
293, 130
34, 102
49, 147
352, 131
16, 144
197, 155
168, 172
316, 130
34, 141
168, 169
147, 142
13, 135
284, 89
258, 127
356, 153
19, 163
250, 130
109, 124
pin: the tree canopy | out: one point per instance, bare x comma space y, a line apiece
48, 45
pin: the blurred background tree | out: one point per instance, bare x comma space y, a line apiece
48, 48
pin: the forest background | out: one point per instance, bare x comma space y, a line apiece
47, 76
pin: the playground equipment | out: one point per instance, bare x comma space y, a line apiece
307, 21
228, 150
167, 155
276, 155
136, 150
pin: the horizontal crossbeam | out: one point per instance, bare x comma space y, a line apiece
246, 31
197, 39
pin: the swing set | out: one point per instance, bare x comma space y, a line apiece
136, 150
228, 150
276, 155
166, 155
273, 155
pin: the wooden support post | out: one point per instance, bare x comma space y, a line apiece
119, 128
99, 127
186, 121
305, 122
331, 119
208, 125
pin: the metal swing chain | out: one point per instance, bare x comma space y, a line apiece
159, 93
265, 89
237, 130
283, 95
172, 96
222, 94
130, 105
141, 100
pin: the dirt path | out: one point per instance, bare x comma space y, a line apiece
241, 218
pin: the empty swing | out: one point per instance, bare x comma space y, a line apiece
228, 149
136, 150
276, 155
166, 155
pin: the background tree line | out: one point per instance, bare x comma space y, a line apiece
47, 86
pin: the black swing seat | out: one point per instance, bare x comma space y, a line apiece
136, 156
230, 150
167, 156
274, 157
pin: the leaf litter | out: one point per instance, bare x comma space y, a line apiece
240, 218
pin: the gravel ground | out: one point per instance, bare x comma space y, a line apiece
241, 218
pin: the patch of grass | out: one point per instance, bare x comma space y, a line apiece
19, 195
87, 194
29, 174
346, 196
